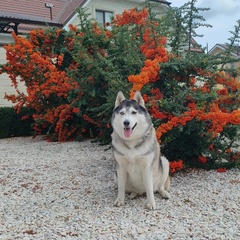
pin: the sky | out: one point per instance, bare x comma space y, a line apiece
223, 16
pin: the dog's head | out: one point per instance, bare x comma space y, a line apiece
130, 118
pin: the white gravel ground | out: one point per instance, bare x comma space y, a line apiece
66, 191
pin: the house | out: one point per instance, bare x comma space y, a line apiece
235, 54
23, 15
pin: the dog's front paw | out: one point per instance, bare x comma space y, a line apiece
118, 202
151, 206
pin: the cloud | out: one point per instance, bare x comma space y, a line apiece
220, 8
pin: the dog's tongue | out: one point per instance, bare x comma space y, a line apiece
127, 132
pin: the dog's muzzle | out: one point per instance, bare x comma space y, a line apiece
127, 130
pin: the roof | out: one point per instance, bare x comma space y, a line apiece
235, 49
195, 47
24, 18
37, 12
162, 1
23, 15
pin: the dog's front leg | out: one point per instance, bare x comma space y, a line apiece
148, 181
121, 179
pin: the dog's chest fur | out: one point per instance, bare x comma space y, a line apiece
135, 157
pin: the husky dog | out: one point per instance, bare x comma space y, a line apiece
140, 167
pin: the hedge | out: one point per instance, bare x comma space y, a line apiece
15, 125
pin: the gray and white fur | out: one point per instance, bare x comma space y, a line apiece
140, 166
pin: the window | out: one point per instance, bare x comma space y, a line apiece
103, 17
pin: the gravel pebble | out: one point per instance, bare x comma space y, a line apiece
66, 191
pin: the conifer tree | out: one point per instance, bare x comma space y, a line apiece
182, 23
234, 43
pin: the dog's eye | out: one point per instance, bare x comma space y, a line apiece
134, 112
122, 113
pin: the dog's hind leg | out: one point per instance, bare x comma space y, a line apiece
164, 193
133, 195
167, 184
164, 185
164, 188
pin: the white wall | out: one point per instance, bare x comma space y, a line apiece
5, 82
115, 6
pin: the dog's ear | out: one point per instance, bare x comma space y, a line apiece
119, 99
139, 99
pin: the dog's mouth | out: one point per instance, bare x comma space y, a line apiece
128, 131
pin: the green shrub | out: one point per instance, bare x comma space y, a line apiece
5, 120
15, 125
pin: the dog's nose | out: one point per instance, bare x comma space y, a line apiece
126, 123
